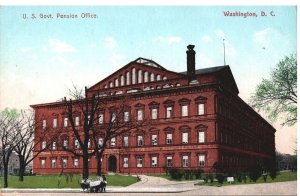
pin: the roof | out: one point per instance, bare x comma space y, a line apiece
206, 70
148, 62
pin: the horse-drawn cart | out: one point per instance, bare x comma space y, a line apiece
93, 186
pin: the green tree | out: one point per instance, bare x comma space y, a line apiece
277, 96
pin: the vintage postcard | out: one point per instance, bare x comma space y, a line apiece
192, 100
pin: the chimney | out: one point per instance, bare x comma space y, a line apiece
190, 61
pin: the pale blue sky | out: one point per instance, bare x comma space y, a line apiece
41, 58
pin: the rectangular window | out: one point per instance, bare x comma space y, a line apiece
44, 144
101, 118
53, 145
154, 140
140, 140
140, 114
77, 121
65, 122
185, 161
43, 163
184, 110
154, 162
169, 112
169, 162
185, 138
113, 117
53, 163
75, 163
64, 162
100, 142
169, 138
54, 122
201, 137
126, 116
113, 142
154, 113
76, 144
44, 124
139, 162
125, 162
201, 160
125, 141
89, 143
65, 144
201, 109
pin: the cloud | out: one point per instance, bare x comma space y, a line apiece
206, 38
92, 45
270, 38
219, 33
110, 42
169, 40
205, 61
60, 47
260, 36
25, 50
116, 60
230, 49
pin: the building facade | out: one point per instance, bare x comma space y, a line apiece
196, 119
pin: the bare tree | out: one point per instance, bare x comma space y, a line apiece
118, 124
8, 123
88, 137
30, 141
88, 107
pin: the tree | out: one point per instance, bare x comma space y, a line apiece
115, 127
30, 141
278, 95
254, 173
8, 123
89, 107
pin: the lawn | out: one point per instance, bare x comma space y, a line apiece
281, 177
64, 181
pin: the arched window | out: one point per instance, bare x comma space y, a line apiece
110, 85
122, 80
116, 82
140, 75
127, 78
133, 76
164, 78
158, 77
152, 77
146, 76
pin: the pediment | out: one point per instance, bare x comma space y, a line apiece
136, 73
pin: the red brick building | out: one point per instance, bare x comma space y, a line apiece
197, 119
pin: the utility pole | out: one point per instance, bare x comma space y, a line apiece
224, 51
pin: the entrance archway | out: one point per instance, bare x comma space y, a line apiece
112, 163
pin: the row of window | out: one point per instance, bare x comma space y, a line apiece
185, 139
154, 111
168, 161
64, 163
185, 162
135, 90
130, 78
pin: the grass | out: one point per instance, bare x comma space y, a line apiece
64, 181
281, 177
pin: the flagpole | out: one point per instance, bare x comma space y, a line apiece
224, 51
